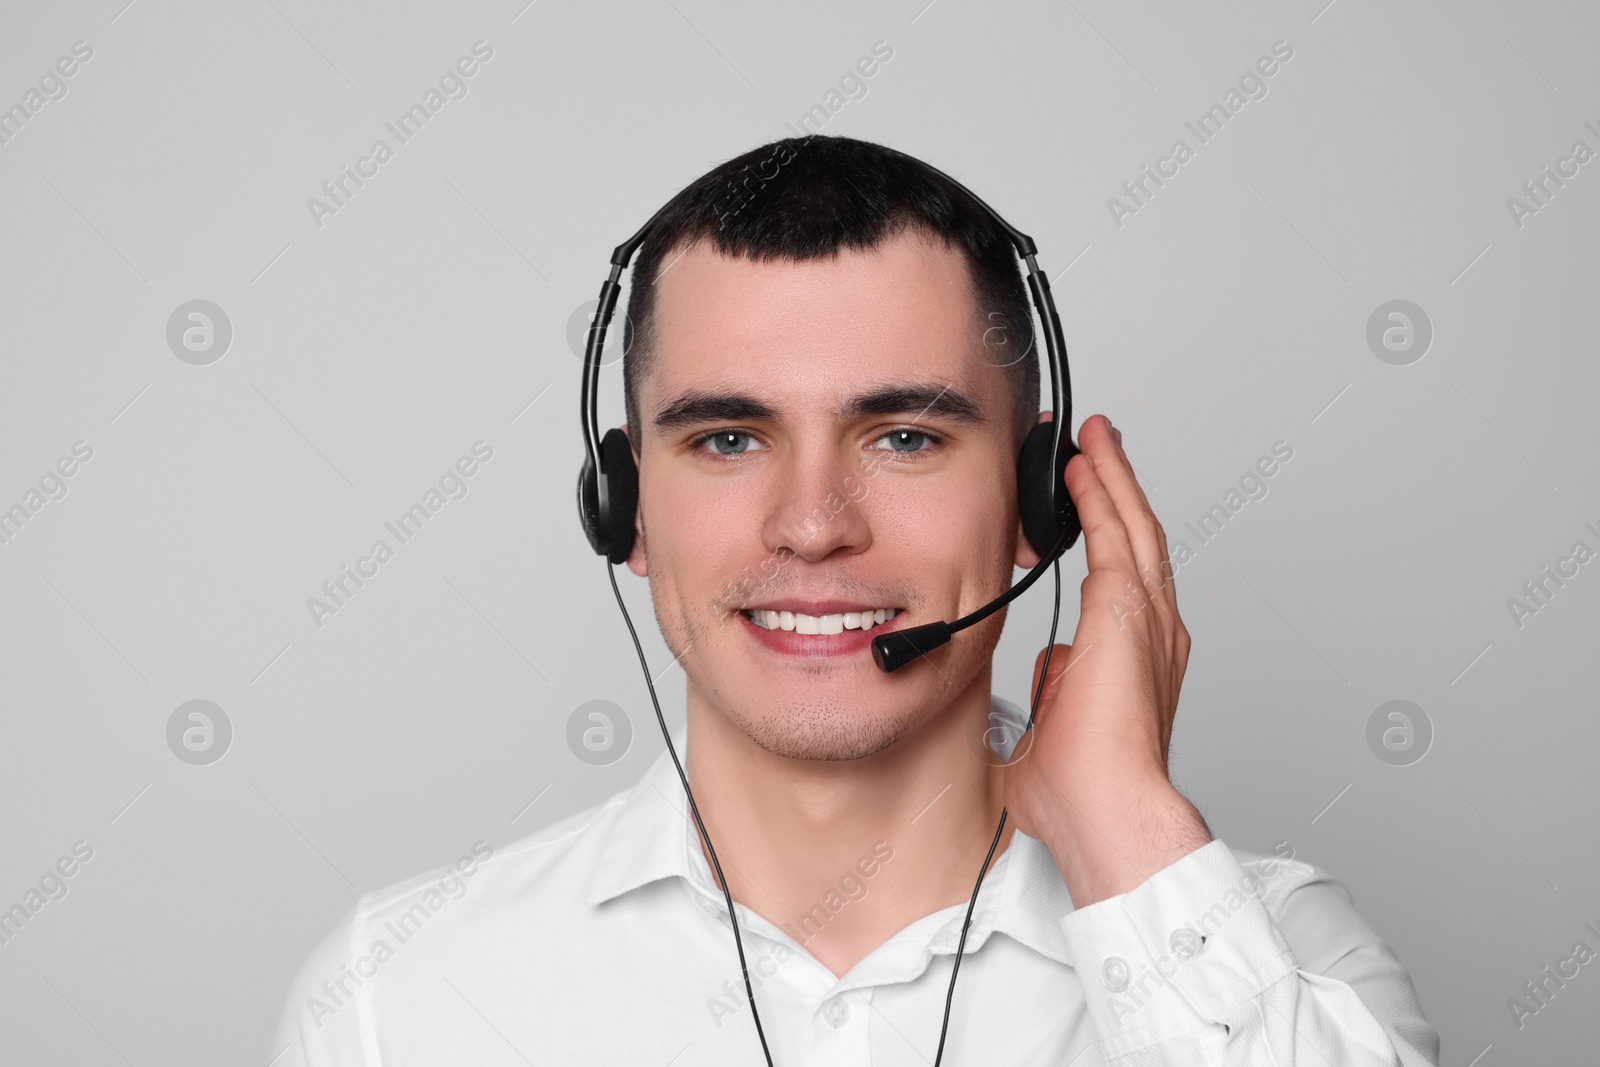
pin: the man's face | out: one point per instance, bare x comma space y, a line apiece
823, 438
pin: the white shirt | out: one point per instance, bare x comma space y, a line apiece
601, 940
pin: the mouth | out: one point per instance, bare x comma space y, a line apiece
828, 629
832, 623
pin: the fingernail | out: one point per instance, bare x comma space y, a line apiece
1119, 435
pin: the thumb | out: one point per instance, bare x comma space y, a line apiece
1058, 664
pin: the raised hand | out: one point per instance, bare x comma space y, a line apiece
1093, 784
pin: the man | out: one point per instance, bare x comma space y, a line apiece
826, 425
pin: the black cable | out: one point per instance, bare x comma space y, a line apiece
1044, 672
748, 992
1017, 590
744, 967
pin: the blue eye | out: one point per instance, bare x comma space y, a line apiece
908, 441
727, 442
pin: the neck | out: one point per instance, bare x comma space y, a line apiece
841, 855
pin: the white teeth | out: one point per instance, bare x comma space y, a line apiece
819, 624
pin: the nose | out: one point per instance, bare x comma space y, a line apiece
817, 500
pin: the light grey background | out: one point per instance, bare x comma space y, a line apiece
430, 312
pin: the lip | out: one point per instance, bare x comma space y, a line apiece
814, 646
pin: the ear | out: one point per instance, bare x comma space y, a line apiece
1026, 557
637, 562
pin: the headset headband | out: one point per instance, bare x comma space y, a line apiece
1038, 285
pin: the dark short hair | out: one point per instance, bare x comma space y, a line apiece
804, 198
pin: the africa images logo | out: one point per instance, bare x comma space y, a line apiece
1252, 85
452, 86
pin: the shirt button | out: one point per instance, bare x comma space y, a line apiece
836, 1011
1185, 943
1115, 973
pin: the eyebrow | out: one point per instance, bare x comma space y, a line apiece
945, 402
917, 399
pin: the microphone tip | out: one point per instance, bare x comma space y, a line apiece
895, 649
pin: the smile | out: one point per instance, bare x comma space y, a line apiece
834, 623
831, 628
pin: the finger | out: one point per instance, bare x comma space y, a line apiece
1145, 534
1164, 577
1111, 464
1165, 571
1059, 655
1110, 554
1157, 582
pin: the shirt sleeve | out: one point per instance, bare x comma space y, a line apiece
322, 1022
1264, 963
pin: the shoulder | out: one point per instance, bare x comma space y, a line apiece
491, 894
548, 861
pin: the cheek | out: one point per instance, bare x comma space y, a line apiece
953, 543
700, 534
714, 511
966, 514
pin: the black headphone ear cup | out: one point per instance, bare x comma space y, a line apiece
620, 495
1043, 502
589, 504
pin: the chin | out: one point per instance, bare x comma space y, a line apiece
827, 732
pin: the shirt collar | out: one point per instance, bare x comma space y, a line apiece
652, 837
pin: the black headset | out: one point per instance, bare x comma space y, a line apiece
608, 498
